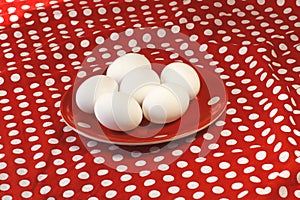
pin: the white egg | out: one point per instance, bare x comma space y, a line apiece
118, 111
124, 64
91, 89
139, 82
142, 92
184, 75
165, 103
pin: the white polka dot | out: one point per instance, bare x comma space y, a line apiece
102, 172
208, 32
15, 77
26, 194
231, 174
283, 192
297, 194
224, 165
213, 146
217, 190
198, 195
163, 167
237, 186
225, 133
261, 155
231, 142
158, 158
20, 171
144, 173
243, 194
249, 170
117, 157
4, 187
285, 174
14, 18
168, 178
83, 175
140, 163
226, 38
249, 138
20, 160
87, 188
44, 190
193, 185
130, 188
61, 171
99, 160
24, 183
187, 174
182, 164
284, 156
125, 177
1, 80
93, 198
63, 182
263, 191
3, 176
285, 128
84, 43
213, 100
255, 179
106, 183
114, 36
68, 193
149, 182
154, 194
173, 189
212, 179
243, 128
267, 166
206, 169
195, 149
243, 50
135, 197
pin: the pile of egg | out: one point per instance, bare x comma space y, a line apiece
131, 90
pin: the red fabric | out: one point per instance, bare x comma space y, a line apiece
256, 47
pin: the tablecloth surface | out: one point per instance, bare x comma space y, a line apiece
255, 48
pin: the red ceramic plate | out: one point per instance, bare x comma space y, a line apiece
207, 107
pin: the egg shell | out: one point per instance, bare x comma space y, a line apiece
165, 103
180, 93
124, 64
184, 75
134, 82
118, 111
91, 89
143, 91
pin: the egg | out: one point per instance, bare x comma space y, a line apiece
118, 111
124, 64
91, 89
184, 75
139, 82
165, 103
142, 92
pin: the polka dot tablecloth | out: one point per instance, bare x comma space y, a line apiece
254, 47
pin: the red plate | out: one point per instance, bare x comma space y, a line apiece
207, 107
